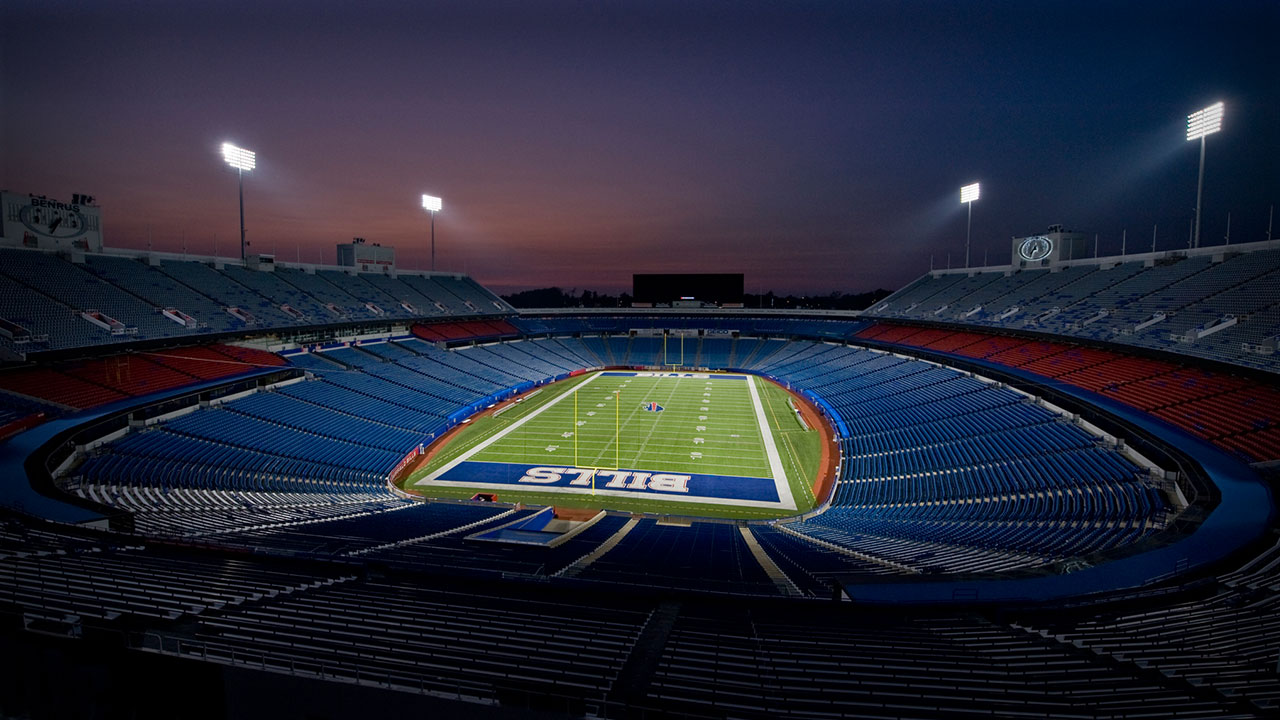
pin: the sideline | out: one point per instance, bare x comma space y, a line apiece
495, 438
771, 450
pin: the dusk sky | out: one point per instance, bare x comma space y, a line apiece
813, 146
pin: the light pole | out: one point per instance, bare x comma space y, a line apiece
241, 160
968, 194
432, 205
1200, 124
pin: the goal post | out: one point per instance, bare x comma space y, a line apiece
666, 354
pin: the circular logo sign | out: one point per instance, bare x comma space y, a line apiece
54, 222
1035, 248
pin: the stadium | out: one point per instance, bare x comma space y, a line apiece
249, 485
395, 484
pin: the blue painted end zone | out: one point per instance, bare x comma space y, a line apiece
705, 376
516, 475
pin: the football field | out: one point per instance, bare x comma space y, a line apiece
723, 445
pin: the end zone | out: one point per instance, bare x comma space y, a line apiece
683, 487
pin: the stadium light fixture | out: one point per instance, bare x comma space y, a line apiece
1201, 124
241, 160
432, 204
968, 194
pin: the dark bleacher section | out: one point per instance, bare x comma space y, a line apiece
215, 361
474, 297
314, 420
163, 507
470, 330
1224, 638
814, 567
285, 297
339, 304
384, 305
1204, 650
74, 287
401, 522
199, 454
714, 352
56, 387
89, 383
410, 298
107, 583
229, 294
709, 323
136, 276
707, 556
757, 664
1220, 303
303, 452
459, 554
455, 644
18, 412
43, 321
351, 401
226, 426
1238, 414
46, 294
943, 472
648, 352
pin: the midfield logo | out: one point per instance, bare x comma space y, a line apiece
617, 479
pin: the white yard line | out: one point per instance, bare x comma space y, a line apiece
771, 450
644, 444
495, 438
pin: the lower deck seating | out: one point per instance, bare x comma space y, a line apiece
476, 556
941, 471
108, 582
761, 664
1239, 415
89, 383
1222, 638
456, 644
399, 522
710, 556
467, 330
52, 386
1205, 650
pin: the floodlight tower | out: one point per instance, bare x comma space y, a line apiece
241, 160
968, 194
432, 205
1200, 124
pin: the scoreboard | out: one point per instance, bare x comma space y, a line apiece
680, 288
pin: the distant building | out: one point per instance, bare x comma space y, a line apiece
365, 256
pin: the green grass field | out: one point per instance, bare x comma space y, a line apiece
708, 425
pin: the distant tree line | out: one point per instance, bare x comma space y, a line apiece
554, 297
